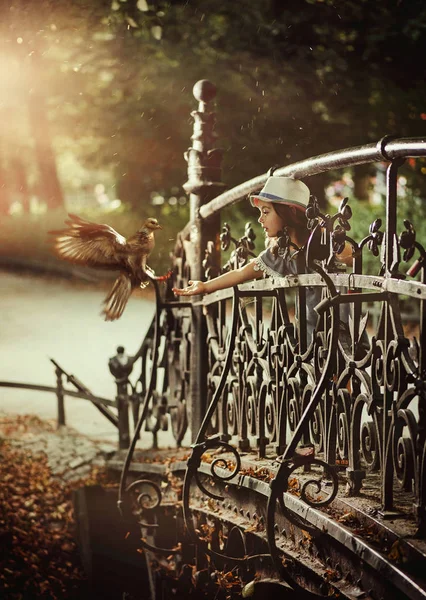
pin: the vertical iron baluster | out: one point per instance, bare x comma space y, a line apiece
392, 260
60, 397
420, 502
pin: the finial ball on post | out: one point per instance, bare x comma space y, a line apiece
204, 90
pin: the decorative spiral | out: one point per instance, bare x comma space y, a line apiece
338, 238
404, 463
312, 490
243, 346
316, 427
251, 411
234, 551
231, 411
405, 434
293, 414
377, 364
224, 463
320, 353
393, 367
144, 499
225, 474
369, 445
270, 418
284, 350
147, 500
343, 436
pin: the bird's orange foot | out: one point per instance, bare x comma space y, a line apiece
163, 277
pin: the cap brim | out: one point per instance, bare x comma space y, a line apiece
293, 203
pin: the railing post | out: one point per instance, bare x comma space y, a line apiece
420, 501
204, 183
121, 367
60, 397
392, 261
123, 417
391, 246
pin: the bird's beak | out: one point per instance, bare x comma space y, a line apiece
159, 226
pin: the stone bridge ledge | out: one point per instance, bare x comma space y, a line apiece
354, 545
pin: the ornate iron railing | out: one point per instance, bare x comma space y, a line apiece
351, 398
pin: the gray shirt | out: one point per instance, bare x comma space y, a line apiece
277, 266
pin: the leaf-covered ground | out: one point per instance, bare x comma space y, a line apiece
38, 554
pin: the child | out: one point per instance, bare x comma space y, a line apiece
281, 203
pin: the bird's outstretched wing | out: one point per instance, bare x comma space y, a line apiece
115, 302
86, 243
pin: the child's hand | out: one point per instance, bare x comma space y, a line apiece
194, 288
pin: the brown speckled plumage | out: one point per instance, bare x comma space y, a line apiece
95, 245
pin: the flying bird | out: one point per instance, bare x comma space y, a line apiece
94, 245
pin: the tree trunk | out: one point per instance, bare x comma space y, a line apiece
361, 177
21, 183
5, 200
49, 188
317, 188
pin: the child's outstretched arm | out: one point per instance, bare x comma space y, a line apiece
222, 282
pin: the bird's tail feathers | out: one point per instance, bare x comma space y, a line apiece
116, 300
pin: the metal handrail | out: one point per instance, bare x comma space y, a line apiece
48, 388
386, 149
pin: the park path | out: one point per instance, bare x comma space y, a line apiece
43, 317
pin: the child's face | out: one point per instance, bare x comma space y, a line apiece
270, 221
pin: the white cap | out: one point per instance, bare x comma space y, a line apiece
283, 190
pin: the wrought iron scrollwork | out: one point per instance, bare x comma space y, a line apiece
145, 495
132, 497
408, 242
354, 401
294, 457
230, 466
244, 246
203, 444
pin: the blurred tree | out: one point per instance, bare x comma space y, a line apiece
49, 187
4, 187
23, 100
21, 182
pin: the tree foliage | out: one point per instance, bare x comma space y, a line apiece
294, 79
